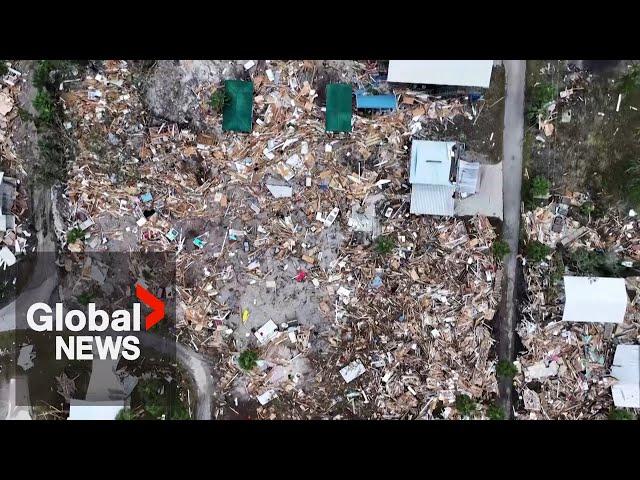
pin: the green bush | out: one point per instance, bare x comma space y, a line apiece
53, 158
536, 251
384, 245
218, 100
495, 412
465, 405
540, 186
85, 297
630, 81
248, 359
621, 414
45, 106
506, 369
589, 262
586, 208
3, 68
125, 414
541, 95
74, 234
500, 249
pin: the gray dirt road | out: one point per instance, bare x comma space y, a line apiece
512, 164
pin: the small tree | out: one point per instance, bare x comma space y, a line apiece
218, 100
540, 186
500, 249
465, 405
506, 369
621, 414
248, 359
536, 251
384, 245
495, 412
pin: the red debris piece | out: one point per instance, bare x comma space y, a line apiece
301, 276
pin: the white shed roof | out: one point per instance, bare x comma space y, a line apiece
594, 299
626, 369
465, 73
430, 162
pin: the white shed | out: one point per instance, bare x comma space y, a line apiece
464, 73
626, 369
594, 299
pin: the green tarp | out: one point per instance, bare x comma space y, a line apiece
237, 114
338, 107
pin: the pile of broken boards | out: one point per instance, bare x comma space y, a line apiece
565, 367
13, 198
249, 212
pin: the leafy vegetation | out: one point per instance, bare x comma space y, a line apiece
633, 188
590, 262
542, 95
540, 186
3, 68
74, 234
465, 405
506, 369
248, 359
218, 100
500, 249
125, 414
384, 245
45, 106
495, 412
536, 251
630, 81
85, 297
151, 392
621, 414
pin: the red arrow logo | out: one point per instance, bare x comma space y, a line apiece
156, 305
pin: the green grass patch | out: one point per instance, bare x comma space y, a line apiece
506, 369
621, 414
465, 405
500, 249
495, 412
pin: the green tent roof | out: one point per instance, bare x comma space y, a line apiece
339, 103
237, 114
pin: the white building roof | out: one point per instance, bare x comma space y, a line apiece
430, 162
594, 299
84, 410
626, 369
465, 73
432, 200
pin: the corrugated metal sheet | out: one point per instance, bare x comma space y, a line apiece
430, 162
432, 200
378, 102
465, 73
626, 369
594, 299
467, 178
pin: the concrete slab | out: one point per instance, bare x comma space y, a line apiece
488, 200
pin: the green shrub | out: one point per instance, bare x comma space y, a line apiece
125, 414
465, 405
53, 158
3, 68
630, 81
248, 359
506, 369
45, 106
500, 249
621, 414
74, 234
589, 262
384, 245
495, 412
540, 186
541, 96
586, 208
218, 100
85, 297
536, 251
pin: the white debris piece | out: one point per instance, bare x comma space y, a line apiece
331, 217
7, 258
267, 396
86, 224
25, 357
280, 191
270, 75
540, 370
266, 332
632, 213
249, 64
352, 371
